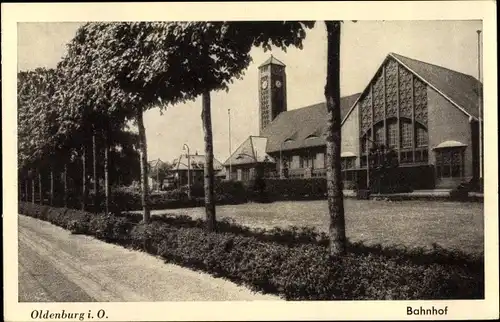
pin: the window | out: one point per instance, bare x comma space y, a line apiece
245, 174
347, 163
366, 141
406, 140
449, 163
379, 135
320, 161
421, 137
306, 161
311, 161
421, 155
392, 129
406, 157
295, 164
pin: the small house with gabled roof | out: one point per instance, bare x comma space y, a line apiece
248, 158
194, 164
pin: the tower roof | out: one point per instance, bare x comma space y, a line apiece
272, 61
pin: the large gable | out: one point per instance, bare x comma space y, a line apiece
460, 89
303, 127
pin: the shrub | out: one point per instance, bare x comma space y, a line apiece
296, 189
293, 263
231, 191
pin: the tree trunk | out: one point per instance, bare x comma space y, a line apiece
84, 177
333, 142
209, 163
143, 152
65, 184
26, 182
96, 179
51, 201
107, 192
32, 190
40, 194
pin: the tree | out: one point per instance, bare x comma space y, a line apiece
333, 141
91, 102
282, 35
213, 55
124, 157
111, 62
37, 121
136, 65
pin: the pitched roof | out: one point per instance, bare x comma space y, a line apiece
250, 151
272, 60
461, 89
458, 88
303, 127
197, 162
155, 163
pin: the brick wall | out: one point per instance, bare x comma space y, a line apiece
447, 122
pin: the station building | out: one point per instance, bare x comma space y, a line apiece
426, 113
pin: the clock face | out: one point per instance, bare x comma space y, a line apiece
264, 84
278, 84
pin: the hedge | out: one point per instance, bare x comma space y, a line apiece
294, 264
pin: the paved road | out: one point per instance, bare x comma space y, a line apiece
55, 266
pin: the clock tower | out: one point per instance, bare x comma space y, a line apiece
272, 91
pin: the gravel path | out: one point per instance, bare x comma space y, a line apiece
56, 266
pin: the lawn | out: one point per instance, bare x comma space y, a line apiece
451, 225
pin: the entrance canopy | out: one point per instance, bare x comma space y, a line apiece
450, 144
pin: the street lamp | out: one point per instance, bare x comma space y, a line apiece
185, 147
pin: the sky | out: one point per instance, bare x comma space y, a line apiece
364, 45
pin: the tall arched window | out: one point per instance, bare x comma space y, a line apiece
366, 141
406, 134
421, 136
379, 134
414, 142
421, 142
392, 134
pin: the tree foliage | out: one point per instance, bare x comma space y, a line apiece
37, 116
112, 72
